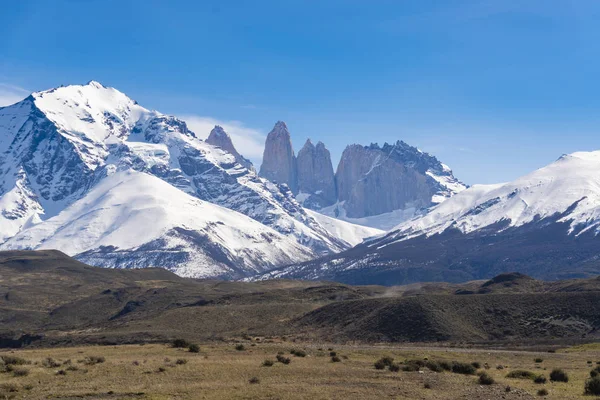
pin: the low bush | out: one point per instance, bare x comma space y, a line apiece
20, 372
194, 348
61, 372
379, 364
476, 364
463, 368
240, 347
283, 360
427, 385
298, 353
394, 368
12, 360
181, 361
538, 360
254, 380
332, 354
268, 363
595, 372
336, 359
445, 365
50, 362
558, 375
180, 343
521, 374
485, 379
542, 392
540, 379
436, 366
592, 386
93, 360
387, 361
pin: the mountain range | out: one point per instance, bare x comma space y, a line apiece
86, 170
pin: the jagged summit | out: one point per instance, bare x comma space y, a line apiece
218, 137
279, 161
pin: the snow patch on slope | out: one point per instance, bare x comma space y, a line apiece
351, 233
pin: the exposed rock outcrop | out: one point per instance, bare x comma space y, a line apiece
316, 181
373, 180
279, 161
218, 137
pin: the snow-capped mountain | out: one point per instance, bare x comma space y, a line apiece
544, 224
56, 146
133, 219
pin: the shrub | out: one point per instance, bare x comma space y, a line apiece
181, 361
595, 372
463, 368
540, 379
12, 360
161, 369
521, 374
538, 360
20, 372
283, 360
254, 380
49, 362
394, 368
61, 372
499, 367
592, 386
445, 365
194, 348
336, 359
72, 368
542, 392
436, 366
427, 385
558, 375
387, 361
268, 363
180, 343
93, 360
332, 354
298, 353
379, 364
476, 364
240, 347
485, 379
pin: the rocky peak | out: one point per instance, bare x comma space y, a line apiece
219, 138
279, 161
316, 181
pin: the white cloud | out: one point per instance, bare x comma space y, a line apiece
10, 94
249, 142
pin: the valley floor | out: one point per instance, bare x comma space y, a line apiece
220, 371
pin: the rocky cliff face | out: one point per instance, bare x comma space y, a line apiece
218, 137
374, 180
316, 181
279, 161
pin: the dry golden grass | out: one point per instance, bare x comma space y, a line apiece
220, 371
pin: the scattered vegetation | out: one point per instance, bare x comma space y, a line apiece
298, 353
558, 375
463, 368
592, 386
540, 379
20, 372
476, 364
254, 380
283, 360
542, 392
332, 354
336, 359
485, 379
240, 347
181, 361
382, 362
194, 348
49, 362
93, 360
268, 363
394, 367
180, 343
539, 360
521, 374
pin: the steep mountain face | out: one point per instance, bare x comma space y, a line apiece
219, 138
316, 181
373, 180
279, 161
544, 224
56, 145
133, 219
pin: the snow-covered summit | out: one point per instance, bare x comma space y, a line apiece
569, 187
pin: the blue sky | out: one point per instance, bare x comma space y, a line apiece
492, 88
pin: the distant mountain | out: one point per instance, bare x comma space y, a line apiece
373, 186
544, 224
61, 146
